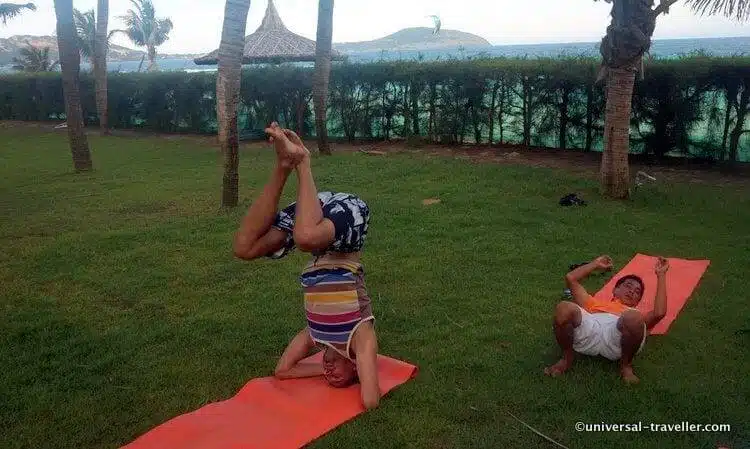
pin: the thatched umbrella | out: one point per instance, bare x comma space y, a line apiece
272, 43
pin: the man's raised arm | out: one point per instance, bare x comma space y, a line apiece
660, 303
573, 278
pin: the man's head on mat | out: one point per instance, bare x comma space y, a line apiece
629, 290
338, 371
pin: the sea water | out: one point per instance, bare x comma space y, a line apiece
668, 48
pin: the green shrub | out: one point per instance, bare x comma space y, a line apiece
692, 106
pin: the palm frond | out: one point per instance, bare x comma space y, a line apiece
27, 52
142, 26
85, 24
735, 9
134, 28
33, 59
11, 10
161, 31
138, 4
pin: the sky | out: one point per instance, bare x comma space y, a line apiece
197, 23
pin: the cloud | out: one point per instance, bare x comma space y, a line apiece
198, 23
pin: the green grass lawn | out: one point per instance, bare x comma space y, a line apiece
123, 307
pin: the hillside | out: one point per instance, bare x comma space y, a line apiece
9, 47
403, 40
416, 39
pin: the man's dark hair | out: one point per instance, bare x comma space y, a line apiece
633, 277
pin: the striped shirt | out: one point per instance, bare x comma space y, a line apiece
335, 303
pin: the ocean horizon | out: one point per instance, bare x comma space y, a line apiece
660, 48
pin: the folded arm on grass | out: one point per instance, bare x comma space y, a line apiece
366, 348
289, 365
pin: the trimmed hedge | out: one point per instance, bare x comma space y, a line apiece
688, 106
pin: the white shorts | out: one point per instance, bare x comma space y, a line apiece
598, 335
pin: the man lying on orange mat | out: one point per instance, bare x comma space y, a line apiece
613, 329
332, 226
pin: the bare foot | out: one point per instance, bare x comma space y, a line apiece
628, 376
558, 368
301, 150
286, 151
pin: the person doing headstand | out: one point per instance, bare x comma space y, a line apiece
332, 227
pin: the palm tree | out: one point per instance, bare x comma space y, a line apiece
145, 30
91, 32
34, 59
11, 10
86, 31
85, 23
322, 71
70, 63
228, 94
628, 38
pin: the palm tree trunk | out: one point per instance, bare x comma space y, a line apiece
100, 64
228, 94
70, 64
322, 71
151, 58
614, 168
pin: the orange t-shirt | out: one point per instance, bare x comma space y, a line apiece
595, 305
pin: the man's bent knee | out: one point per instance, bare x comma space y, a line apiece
631, 322
567, 312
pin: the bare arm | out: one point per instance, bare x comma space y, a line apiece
660, 303
366, 348
255, 237
289, 365
573, 278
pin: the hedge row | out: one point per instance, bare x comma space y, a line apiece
694, 106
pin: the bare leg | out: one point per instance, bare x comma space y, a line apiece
632, 328
256, 225
567, 318
311, 231
309, 213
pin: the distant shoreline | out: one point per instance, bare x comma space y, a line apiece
660, 49
511, 45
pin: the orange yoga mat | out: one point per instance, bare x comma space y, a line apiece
271, 414
682, 278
